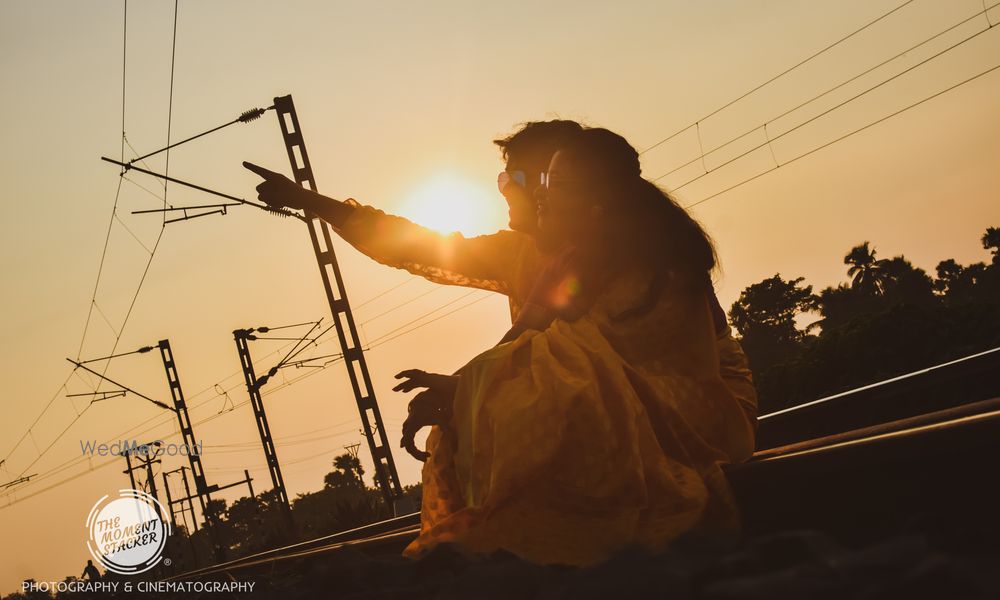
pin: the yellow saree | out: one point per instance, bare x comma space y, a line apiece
570, 443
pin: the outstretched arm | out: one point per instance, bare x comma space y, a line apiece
281, 192
487, 261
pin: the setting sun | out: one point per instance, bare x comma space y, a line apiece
448, 202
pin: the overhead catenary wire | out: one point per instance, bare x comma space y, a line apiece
100, 268
247, 116
287, 359
399, 306
395, 334
778, 76
297, 461
111, 222
255, 443
170, 436
193, 406
134, 237
123, 387
295, 349
388, 338
169, 419
386, 291
79, 460
833, 108
266, 329
847, 135
289, 443
167, 178
704, 154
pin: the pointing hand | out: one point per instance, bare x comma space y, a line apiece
279, 191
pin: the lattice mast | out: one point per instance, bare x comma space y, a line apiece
333, 283
260, 417
187, 432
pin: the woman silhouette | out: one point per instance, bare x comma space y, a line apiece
601, 419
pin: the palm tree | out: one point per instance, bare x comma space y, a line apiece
350, 465
867, 272
991, 242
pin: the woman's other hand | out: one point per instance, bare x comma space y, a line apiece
415, 378
432, 406
429, 407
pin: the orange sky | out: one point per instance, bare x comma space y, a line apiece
398, 105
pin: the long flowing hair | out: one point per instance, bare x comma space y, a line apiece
642, 224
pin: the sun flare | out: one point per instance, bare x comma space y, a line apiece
448, 203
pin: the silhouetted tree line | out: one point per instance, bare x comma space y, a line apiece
255, 524
889, 319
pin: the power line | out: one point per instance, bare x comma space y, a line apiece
288, 444
860, 129
383, 293
103, 252
80, 459
776, 77
388, 338
114, 216
704, 154
828, 111
392, 335
72, 462
449, 303
202, 421
152, 253
256, 443
169, 419
398, 306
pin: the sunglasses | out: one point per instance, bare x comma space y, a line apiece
505, 178
548, 182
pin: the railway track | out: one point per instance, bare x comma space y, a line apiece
924, 469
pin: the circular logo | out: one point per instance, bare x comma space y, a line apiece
127, 534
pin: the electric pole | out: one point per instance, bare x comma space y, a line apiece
242, 337
147, 455
187, 432
187, 498
202, 489
333, 283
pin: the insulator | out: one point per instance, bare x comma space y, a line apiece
281, 212
251, 115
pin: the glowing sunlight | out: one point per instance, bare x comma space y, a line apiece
448, 202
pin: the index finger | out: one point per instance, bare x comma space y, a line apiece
265, 173
409, 374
